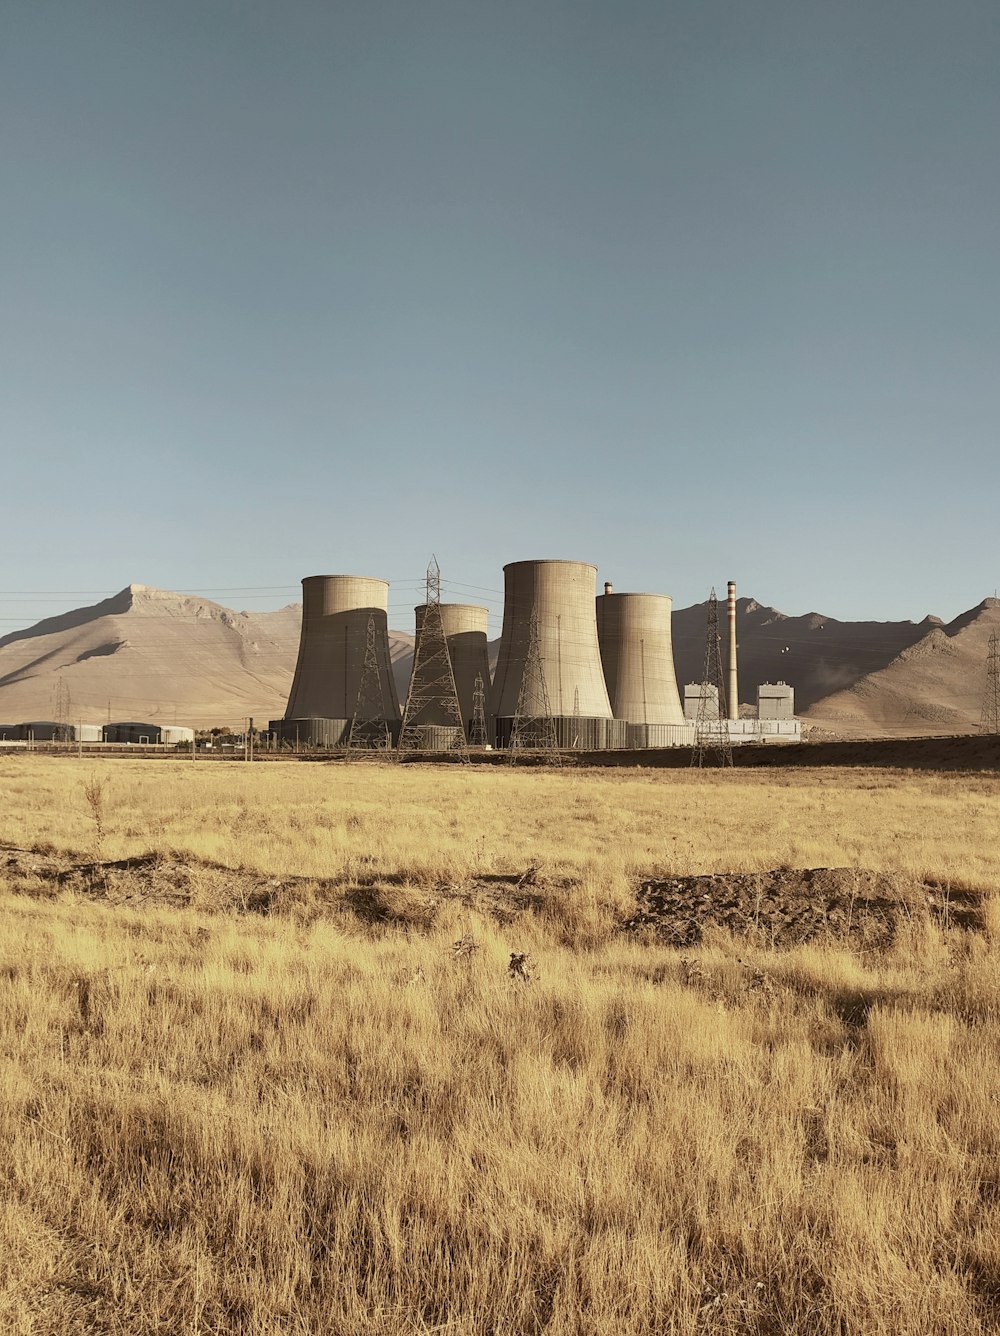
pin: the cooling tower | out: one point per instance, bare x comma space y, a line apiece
637, 651
335, 613
465, 630
560, 594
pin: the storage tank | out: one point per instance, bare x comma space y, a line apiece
633, 631
335, 613
132, 731
560, 595
465, 630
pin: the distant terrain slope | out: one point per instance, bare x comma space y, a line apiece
152, 655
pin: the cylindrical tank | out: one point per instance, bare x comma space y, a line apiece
335, 613
465, 630
560, 594
637, 652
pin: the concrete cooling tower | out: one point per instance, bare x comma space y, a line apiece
637, 651
465, 630
336, 610
560, 594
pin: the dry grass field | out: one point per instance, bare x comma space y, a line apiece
323, 1118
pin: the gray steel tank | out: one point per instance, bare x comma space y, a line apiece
335, 614
637, 651
561, 596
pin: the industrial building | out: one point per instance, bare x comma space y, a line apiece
775, 700
49, 730
133, 732
344, 625
599, 670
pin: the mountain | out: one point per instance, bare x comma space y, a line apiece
158, 656
816, 655
935, 685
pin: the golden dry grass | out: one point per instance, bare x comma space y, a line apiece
217, 1122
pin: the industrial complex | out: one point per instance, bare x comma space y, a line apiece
574, 669
598, 669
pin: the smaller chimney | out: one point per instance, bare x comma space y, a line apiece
734, 695
608, 587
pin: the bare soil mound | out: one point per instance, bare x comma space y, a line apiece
782, 908
788, 906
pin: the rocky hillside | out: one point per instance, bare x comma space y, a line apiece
154, 655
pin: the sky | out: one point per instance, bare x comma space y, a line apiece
690, 290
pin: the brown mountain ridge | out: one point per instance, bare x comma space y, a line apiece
155, 655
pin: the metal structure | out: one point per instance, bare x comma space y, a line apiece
533, 727
634, 634
478, 736
344, 621
990, 719
371, 728
711, 735
557, 598
733, 694
465, 631
63, 704
433, 717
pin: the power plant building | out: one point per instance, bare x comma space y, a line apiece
775, 700
336, 613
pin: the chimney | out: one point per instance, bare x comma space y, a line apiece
733, 692
608, 587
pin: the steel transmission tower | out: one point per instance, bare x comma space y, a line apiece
990, 719
477, 733
711, 730
370, 724
533, 728
433, 711
62, 708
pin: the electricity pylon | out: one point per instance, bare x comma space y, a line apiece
432, 705
533, 728
989, 721
711, 729
62, 708
370, 723
477, 732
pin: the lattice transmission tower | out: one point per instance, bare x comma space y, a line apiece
533, 728
433, 714
63, 704
711, 729
477, 731
370, 729
989, 721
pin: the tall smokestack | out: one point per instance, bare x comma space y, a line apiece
733, 692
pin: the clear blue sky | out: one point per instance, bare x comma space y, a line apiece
690, 290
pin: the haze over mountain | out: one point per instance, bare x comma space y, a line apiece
158, 656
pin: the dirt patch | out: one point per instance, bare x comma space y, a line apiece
778, 908
791, 905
